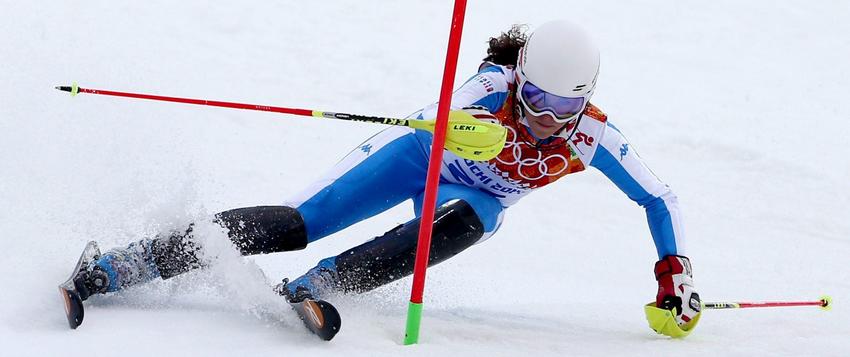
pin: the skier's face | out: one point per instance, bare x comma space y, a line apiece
543, 125
545, 113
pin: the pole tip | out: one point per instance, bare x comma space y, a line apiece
73, 88
826, 303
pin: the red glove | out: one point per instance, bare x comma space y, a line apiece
676, 288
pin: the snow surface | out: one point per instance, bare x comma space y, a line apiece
741, 106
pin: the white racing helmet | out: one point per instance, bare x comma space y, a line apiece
556, 71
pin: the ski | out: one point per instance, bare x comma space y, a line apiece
73, 290
319, 316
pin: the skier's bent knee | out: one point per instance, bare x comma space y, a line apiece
391, 256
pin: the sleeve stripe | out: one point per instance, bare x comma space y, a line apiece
660, 222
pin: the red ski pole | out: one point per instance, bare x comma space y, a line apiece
663, 321
825, 302
469, 138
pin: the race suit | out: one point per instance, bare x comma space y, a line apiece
391, 166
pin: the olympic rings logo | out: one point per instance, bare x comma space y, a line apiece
521, 162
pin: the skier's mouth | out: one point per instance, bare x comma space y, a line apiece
544, 123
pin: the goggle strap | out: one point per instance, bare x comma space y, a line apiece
575, 127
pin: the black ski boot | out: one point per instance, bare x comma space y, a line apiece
296, 295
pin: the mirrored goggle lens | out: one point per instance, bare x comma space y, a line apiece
540, 101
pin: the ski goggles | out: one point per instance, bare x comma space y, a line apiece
538, 101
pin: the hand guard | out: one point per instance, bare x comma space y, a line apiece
473, 133
676, 301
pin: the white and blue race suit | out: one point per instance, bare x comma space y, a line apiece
391, 166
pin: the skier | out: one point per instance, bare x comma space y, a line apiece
538, 87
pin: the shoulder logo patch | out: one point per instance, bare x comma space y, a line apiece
595, 113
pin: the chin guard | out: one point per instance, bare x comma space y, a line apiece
664, 322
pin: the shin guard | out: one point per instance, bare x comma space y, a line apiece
253, 230
391, 256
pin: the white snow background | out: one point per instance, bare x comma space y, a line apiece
741, 106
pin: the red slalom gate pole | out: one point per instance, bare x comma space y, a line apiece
414, 311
